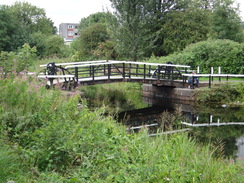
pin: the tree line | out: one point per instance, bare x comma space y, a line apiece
137, 29
140, 29
23, 23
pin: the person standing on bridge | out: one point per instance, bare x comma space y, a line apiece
193, 79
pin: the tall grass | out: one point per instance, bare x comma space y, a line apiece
55, 141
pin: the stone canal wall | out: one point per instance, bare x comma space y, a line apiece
151, 91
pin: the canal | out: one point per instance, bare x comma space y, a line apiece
220, 125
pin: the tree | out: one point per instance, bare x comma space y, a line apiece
95, 18
129, 29
90, 38
138, 28
182, 28
226, 54
7, 29
225, 21
19, 21
54, 46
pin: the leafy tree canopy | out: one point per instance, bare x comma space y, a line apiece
148, 27
225, 21
19, 21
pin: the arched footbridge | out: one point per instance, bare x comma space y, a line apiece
107, 71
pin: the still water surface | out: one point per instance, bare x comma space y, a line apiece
215, 124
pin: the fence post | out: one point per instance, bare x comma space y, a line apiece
212, 71
93, 74
76, 73
159, 71
129, 70
219, 73
209, 83
137, 69
104, 69
109, 71
144, 75
123, 70
149, 72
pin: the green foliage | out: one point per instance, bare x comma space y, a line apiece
100, 17
46, 135
54, 46
7, 29
6, 63
224, 93
12, 168
128, 30
37, 39
25, 58
22, 23
17, 62
225, 22
146, 28
211, 53
184, 28
89, 40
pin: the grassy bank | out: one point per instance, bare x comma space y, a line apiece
45, 137
223, 93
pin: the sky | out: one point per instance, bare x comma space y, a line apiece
72, 11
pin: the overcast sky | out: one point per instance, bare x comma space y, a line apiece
71, 11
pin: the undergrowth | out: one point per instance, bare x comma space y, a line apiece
225, 93
45, 137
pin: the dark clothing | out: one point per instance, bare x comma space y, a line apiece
192, 79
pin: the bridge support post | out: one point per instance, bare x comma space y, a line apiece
76, 74
123, 70
210, 79
93, 74
144, 74
109, 71
129, 70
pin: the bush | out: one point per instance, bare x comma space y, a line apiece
224, 93
17, 62
211, 53
59, 142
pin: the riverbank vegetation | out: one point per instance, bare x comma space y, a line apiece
221, 94
45, 137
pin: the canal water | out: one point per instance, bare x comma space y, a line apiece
217, 124
220, 125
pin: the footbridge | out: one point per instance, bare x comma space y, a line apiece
107, 71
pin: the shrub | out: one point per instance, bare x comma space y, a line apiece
224, 93
211, 53
59, 142
17, 62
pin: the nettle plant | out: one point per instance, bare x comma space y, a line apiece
17, 62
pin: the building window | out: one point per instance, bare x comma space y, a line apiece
70, 33
70, 26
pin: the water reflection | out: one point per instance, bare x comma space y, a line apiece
215, 124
